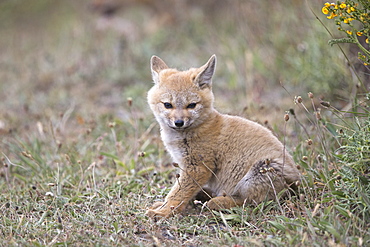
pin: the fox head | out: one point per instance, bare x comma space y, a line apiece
181, 99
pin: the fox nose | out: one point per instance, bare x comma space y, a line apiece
179, 123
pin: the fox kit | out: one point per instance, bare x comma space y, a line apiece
228, 160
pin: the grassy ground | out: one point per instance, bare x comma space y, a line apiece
81, 157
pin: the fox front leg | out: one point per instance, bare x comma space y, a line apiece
188, 184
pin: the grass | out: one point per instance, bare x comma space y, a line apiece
81, 156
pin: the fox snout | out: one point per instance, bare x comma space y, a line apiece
179, 118
179, 123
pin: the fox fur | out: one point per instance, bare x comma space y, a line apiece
227, 160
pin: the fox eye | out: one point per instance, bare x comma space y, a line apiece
167, 105
191, 106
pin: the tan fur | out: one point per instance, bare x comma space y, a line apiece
231, 160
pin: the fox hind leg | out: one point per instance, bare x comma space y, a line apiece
264, 181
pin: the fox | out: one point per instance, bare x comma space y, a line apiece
225, 161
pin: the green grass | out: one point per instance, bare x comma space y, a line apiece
81, 156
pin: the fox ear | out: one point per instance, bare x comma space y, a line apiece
204, 78
156, 65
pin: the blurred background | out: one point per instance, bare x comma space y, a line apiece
82, 60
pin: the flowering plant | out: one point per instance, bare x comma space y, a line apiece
353, 18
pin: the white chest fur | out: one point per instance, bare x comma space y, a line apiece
173, 142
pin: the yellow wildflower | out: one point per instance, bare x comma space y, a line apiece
351, 9
332, 15
367, 41
346, 21
359, 33
327, 4
342, 6
325, 10
349, 32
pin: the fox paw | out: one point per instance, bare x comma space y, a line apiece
165, 209
159, 209
221, 202
157, 205
158, 213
